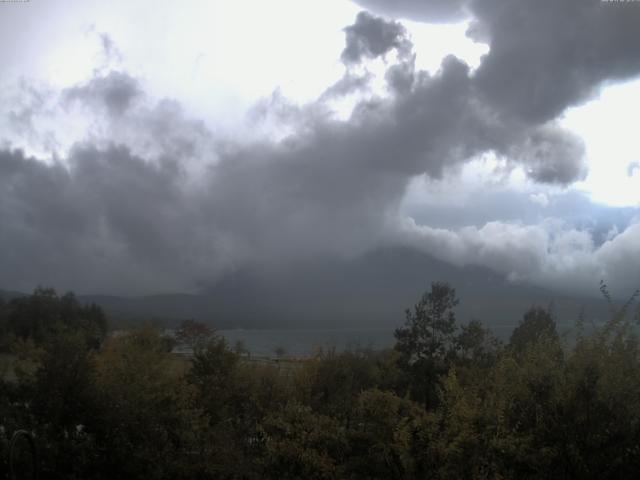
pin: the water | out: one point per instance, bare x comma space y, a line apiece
263, 343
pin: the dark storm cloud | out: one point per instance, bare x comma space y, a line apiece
545, 55
107, 221
401, 77
372, 37
137, 222
116, 92
152, 201
442, 121
551, 155
425, 10
111, 220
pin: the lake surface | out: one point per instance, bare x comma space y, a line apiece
263, 343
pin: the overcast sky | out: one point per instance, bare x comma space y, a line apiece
157, 146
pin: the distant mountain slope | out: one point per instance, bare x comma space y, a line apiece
371, 291
8, 294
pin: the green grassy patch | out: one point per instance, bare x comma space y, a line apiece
7, 371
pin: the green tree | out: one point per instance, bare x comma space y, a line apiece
476, 345
450, 443
383, 437
330, 382
601, 412
63, 401
300, 444
194, 333
240, 348
538, 324
6, 336
224, 392
147, 422
425, 342
44, 313
212, 372
280, 351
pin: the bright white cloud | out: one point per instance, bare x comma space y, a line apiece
609, 127
433, 42
539, 198
549, 254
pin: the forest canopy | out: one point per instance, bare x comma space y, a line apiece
448, 401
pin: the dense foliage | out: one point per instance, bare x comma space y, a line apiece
448, 402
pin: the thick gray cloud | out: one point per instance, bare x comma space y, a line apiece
445, 121
151, 200
551, 155
108, 221
111, 220
544, 55
116, 92
424, 10
548, 55
372, 37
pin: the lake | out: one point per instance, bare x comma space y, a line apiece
296, 343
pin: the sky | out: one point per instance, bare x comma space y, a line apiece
156, 146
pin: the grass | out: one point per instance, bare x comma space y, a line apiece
7, 372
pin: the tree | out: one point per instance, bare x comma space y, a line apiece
240, 348
147, 423
425, 342
194, 333
537, 324
280, 351
5, 337
44, 314
449, 442
331, 381
234, 397
63, 401
212, 373
476, 345
383, 436
298, 443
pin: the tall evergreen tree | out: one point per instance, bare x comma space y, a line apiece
425, 342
